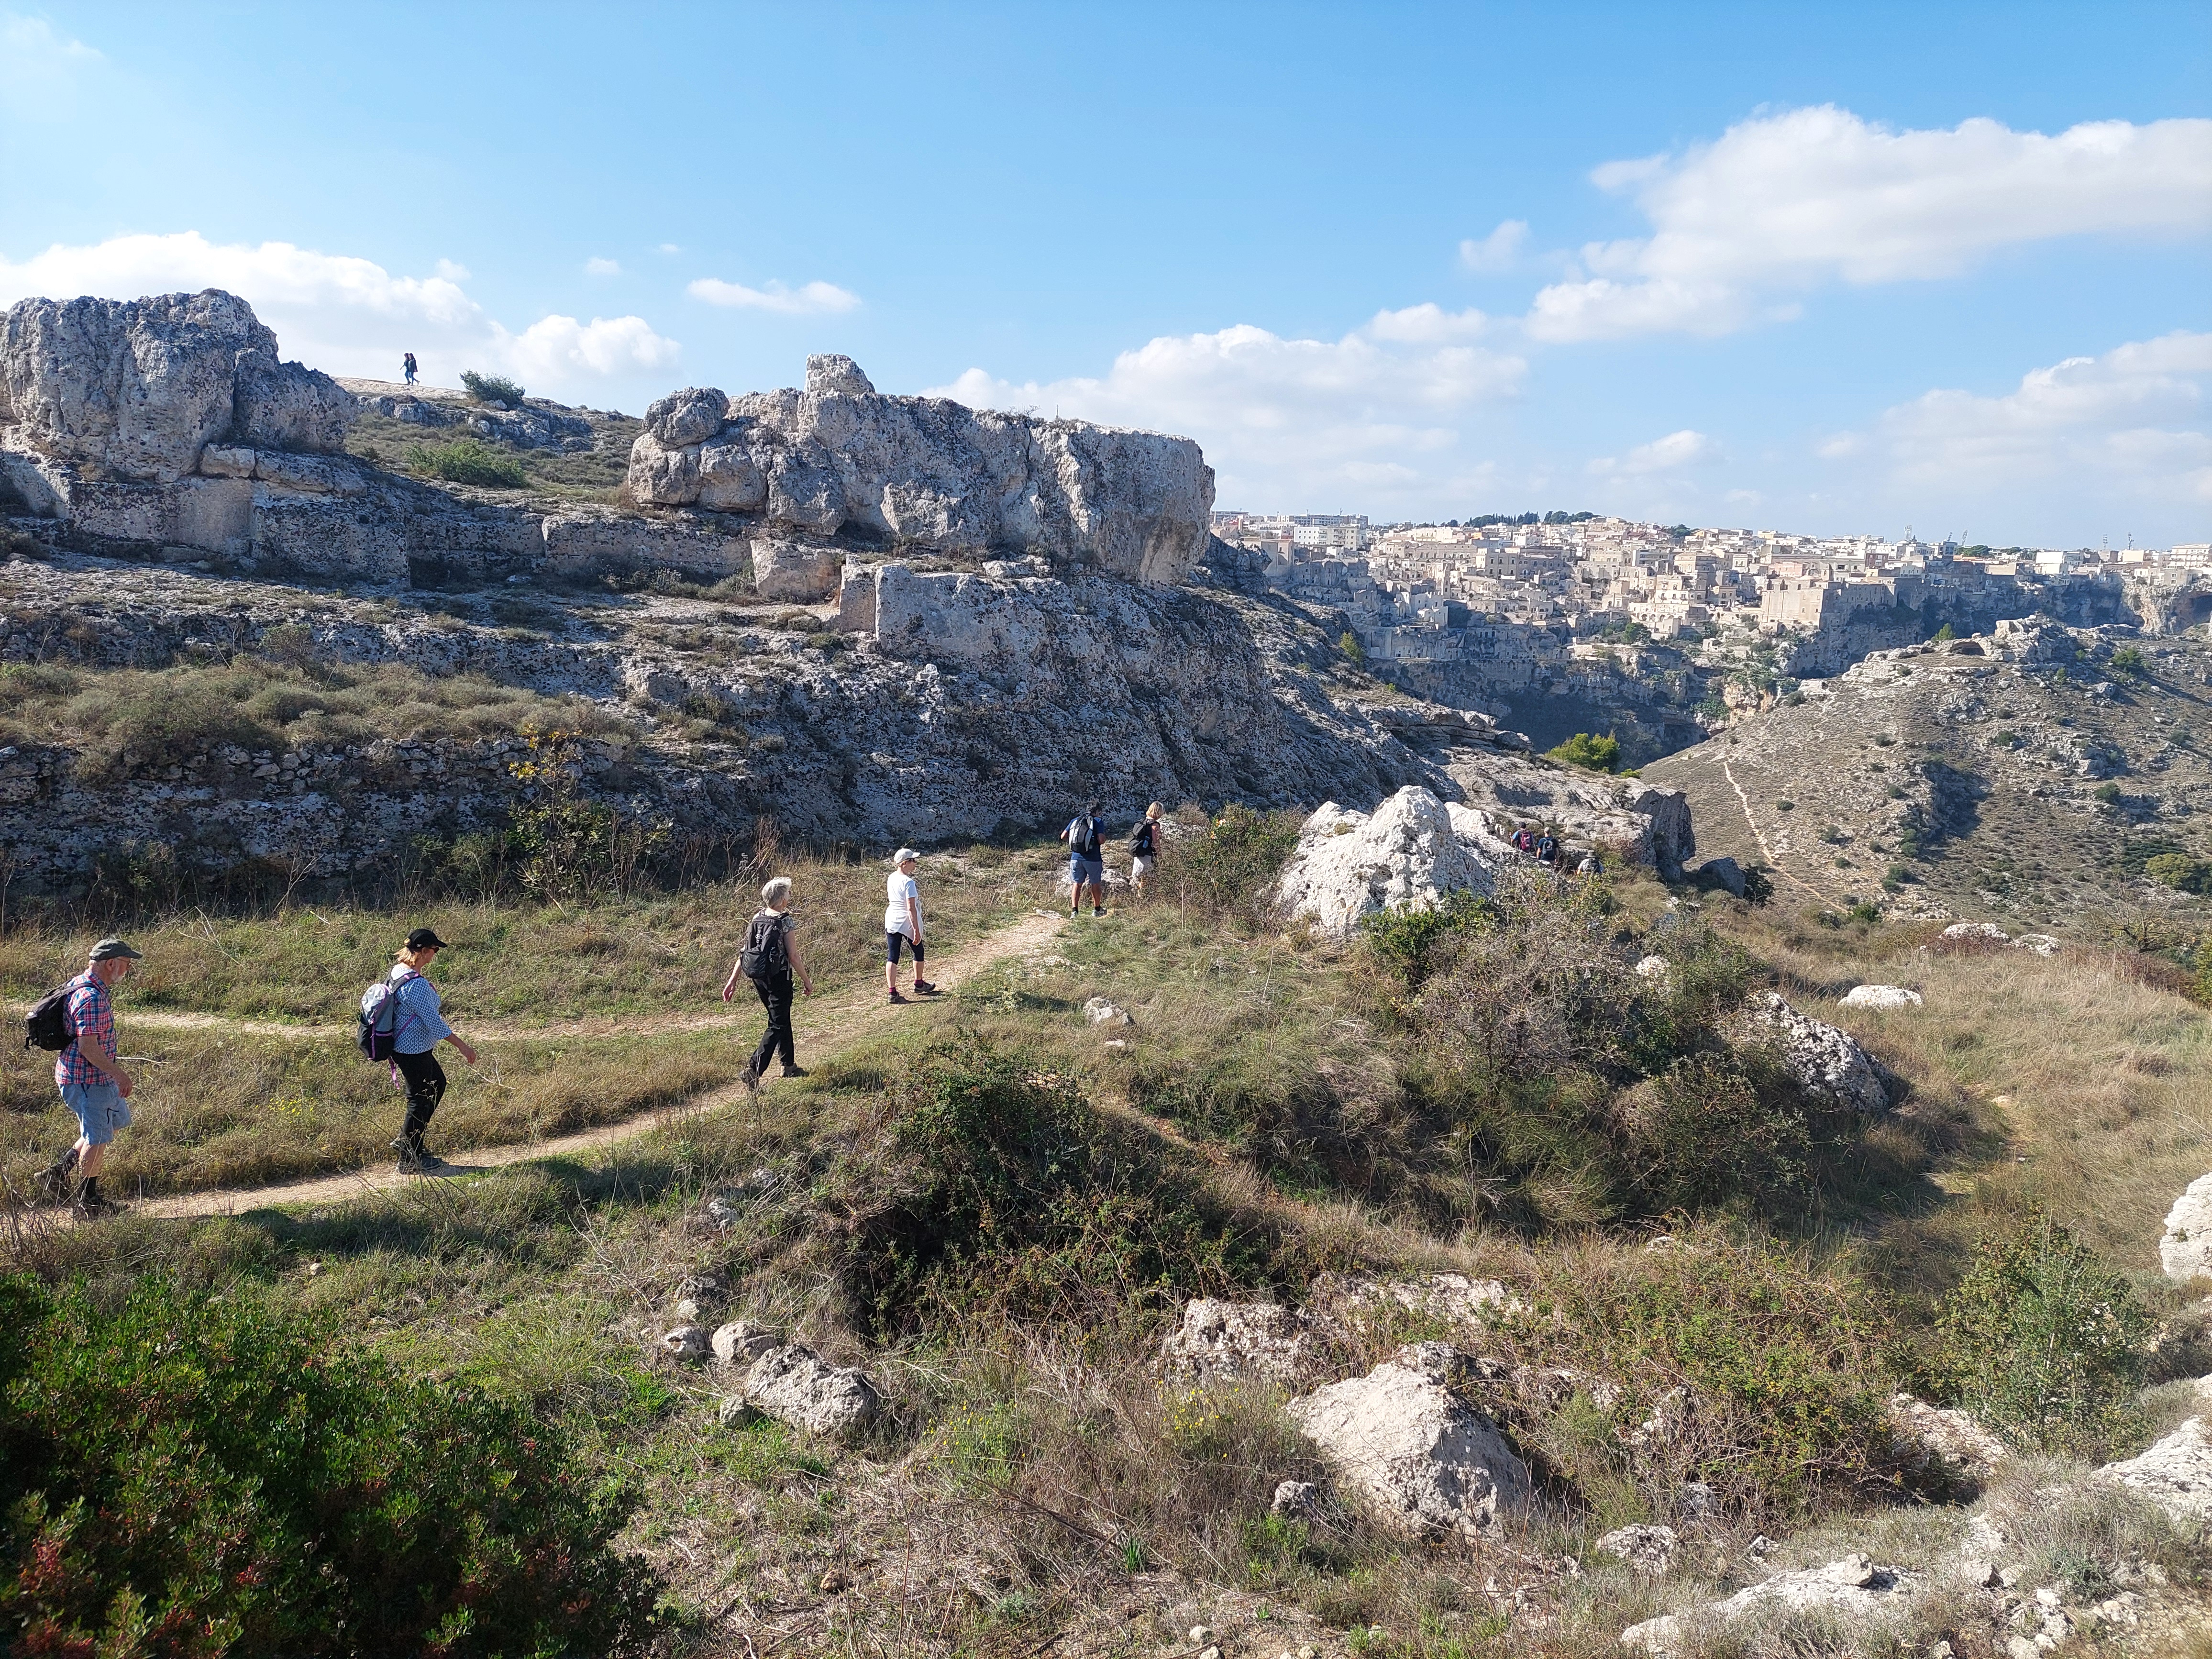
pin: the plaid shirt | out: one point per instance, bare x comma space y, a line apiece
92, 1017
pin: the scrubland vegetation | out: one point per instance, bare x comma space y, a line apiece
996, 1213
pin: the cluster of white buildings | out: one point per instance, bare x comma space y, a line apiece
1407, 589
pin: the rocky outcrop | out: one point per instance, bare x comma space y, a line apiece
1406, 853
1827, 1062
1425, 1460
796, 1387
2185, 1249
1220, 1341
1854, 1589
1648, 1550
135, 390
2175, 1474
1616, 818
1945, 1439
925, 472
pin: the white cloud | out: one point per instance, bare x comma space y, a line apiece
349, 315
44, 76
1781, 203
1676, 449
602, 267
806, 299
1366, 419
2132, 424
30, 47
672, 247
1499, 250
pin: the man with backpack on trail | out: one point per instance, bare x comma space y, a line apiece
1086, 861
94, 1084
769, 958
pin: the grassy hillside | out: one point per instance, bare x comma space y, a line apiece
996, 1206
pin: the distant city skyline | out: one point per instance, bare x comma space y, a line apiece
1838, 273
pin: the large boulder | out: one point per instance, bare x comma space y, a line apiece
2186, 1251
1828, 1062
1221, 1341
794, 571
1349, 865
929, 473
1944, 1438
1852, 1589
1426, 1460
2175, 1474
135, 389
795, 1386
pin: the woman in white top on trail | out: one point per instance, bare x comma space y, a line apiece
902, 924
420, 1028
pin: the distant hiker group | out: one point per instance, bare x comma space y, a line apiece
1539, 843
400, 1022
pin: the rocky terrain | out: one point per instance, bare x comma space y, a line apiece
2026, 775
864, 618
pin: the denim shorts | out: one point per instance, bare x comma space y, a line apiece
100, 1106
1082, 870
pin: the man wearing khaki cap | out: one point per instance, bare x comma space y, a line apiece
94, 1084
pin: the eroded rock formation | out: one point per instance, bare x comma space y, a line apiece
929, 473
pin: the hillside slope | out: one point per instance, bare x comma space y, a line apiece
2025, 775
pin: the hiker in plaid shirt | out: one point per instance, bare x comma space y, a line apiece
94, 1084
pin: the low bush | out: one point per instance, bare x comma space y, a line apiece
201, 1475
1015, 1196
2044, 1341
1585, 749
2128, 659
1230, 873
469, 461
491, 388
2180, 871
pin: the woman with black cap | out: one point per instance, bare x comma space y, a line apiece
419, 1029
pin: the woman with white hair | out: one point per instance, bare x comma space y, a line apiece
769, 958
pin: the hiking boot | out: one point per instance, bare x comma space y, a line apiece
429, 1163
923, 988
413, 1160
53, 1180
92, 1202
794, 1071
895, 997
1097, 910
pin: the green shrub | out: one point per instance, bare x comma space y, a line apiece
1016, 1196
1758, 884
1230, 874
491, 388
2128, 659
1704, 1133
2044, 1341
1946, 632
1583, 748
1348, 643
2108, 792
1400, 938
195, 1475
2180, 871
469, 461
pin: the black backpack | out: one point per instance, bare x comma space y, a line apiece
47, 1025
1086, 838
763, 955
1140, 838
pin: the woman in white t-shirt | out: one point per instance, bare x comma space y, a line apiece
902, 924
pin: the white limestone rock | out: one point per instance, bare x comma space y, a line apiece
1097, 1011
794, 571
740, 1342
795, 1386
1349, 865
2175, 1474
689, 416
1973, 932
2042, 944
1651, 967
831, 371
1426, 1460
1223, 1341
1853, 1589
138, 388
1648, 1550
2186, 1251
1825, 1061
1946, 1437
1884, 997
687, 1343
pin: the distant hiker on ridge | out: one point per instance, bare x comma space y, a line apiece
407, 365
769, 958
1087, 860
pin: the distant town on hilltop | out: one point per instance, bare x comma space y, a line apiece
1550, 619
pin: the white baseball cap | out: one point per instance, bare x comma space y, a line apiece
903, 854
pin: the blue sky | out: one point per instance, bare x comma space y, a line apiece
1823, 268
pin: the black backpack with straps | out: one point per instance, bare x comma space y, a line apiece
1087, 838
47, 1025
765, 956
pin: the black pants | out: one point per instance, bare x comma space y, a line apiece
426, 1087
776, 997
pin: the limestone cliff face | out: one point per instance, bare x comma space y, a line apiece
930, 473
